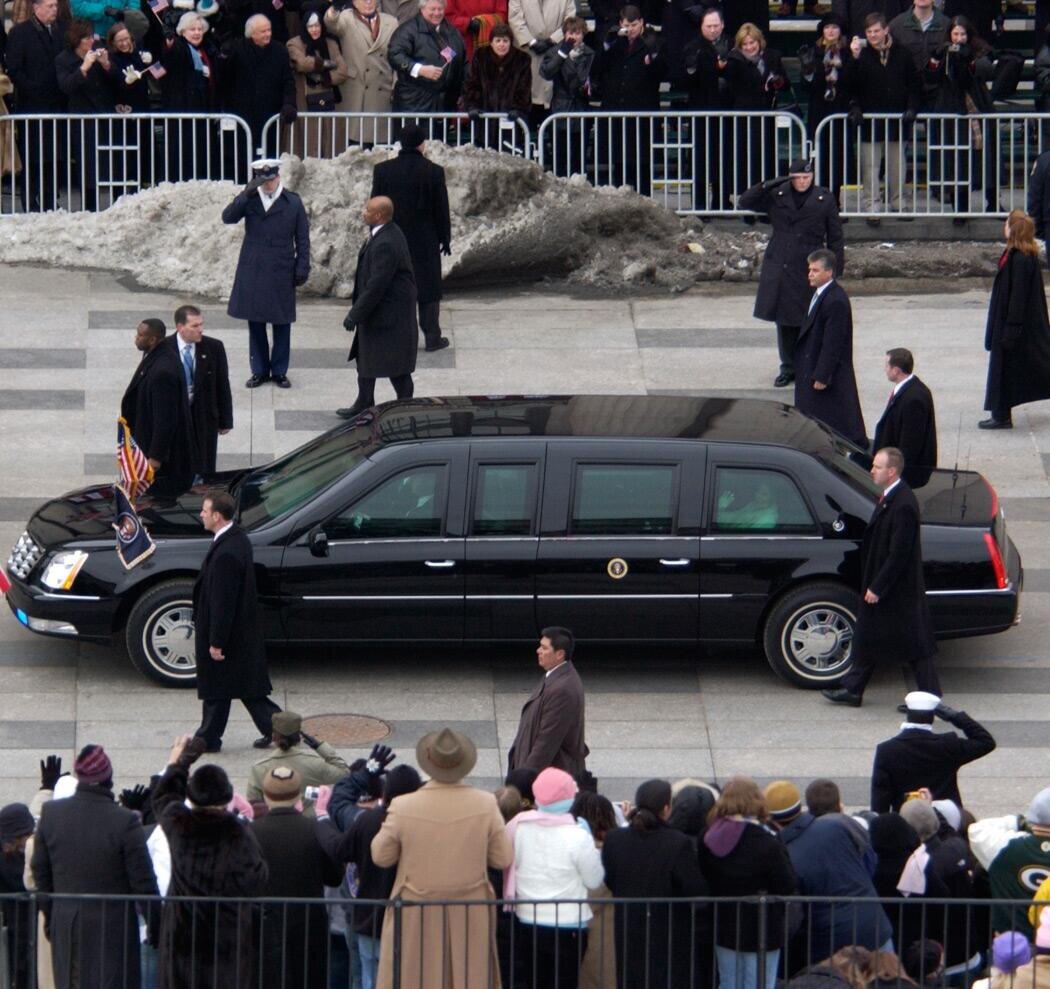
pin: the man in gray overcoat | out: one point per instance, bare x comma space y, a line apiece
804, 218
383, 315
274, 261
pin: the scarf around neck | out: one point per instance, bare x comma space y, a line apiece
544, 820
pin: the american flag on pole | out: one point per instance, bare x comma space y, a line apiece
157, 70
136, 474
158, 5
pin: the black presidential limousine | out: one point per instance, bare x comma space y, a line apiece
625, 518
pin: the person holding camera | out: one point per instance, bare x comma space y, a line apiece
568, 67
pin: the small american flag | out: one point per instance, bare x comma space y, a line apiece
157, 70
158, 5
447, 53
136, 472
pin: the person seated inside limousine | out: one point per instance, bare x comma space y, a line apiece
758, 513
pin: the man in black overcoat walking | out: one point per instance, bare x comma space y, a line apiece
804, 218
908, 423
157, 410
918, 757
231, 654
420, 197
274, 261
89, 844
206, 374
893, 620
825, 385
383, 315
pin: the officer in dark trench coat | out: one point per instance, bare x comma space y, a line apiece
274, 261
804, 217
417, 189
228, 642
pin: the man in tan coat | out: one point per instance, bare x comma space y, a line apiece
537, 27
443, 838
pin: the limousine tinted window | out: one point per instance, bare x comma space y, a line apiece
747, 500
624, 499
409, 505
503, 504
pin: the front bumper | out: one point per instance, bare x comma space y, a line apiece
62, 614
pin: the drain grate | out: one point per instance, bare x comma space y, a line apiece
347, 730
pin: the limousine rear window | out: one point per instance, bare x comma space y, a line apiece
846, 462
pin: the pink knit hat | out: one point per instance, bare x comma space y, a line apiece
93, 765
553, 786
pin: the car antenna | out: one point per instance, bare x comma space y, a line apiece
958, 443
962, 510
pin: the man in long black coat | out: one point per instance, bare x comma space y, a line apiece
893, 621
383, 315
825, 385
90, 844
804, 218
430, 42
708, 90
207, 377
157, 411
420, 197
32, 48
919, 757
908, 423
230, 652
274, 261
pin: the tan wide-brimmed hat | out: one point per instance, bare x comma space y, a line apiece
446, 755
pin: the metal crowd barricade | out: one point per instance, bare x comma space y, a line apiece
689, 161
325, 135
942, 165
80, 162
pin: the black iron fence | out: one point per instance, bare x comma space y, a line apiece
128, 941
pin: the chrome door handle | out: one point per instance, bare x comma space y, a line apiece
440, 564
680, 562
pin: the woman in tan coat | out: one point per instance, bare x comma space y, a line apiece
443, 838
318, 67
364, 34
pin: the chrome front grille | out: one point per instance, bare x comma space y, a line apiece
24, 556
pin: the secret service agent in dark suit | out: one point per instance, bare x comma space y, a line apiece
206, 374
550, 732
230, 652
383, 315
893, 620
908, 423
804, 217
920, 757
158, 412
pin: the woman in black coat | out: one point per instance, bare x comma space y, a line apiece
741, 856
1017, 335
755, 76
499, 80
16, 826
128, 67
654, 942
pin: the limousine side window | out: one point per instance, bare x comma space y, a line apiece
748, 500
409, 505
624, 499
503, 500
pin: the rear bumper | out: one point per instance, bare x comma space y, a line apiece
957, 614
62, 615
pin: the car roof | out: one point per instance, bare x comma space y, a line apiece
716, 419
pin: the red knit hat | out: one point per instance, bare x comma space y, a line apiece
93, 765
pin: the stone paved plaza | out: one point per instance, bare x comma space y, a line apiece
66, 355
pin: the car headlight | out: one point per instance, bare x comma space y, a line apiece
62, 569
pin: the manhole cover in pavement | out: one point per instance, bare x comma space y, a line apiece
346, 729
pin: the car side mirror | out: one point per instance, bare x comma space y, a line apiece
318, 541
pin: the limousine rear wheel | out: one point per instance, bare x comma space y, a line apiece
809, 634
159, 634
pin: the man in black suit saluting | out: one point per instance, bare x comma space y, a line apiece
908, 422
230, 652
825, 385
383, 315
893, 619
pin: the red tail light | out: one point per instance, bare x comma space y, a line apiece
997, 560
994, 496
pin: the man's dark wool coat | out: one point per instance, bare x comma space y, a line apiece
417, 41
551, 730
910, 425
226, 614
259, 82
417, 189
384, 307
212, 406
30, 61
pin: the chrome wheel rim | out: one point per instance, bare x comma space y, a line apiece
168, 640
818, 640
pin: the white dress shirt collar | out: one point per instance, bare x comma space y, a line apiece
915, 725
821, 289
886, 493
222, 530
900, 384
269, 200
377, 228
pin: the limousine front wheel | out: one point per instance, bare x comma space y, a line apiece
159, 634
809, 634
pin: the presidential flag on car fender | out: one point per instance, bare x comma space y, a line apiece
136, 472
133, 541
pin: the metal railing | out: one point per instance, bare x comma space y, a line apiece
325, 135
81, 162
688, 943
691, 161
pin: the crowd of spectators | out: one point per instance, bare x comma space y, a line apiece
521, 58
913, 896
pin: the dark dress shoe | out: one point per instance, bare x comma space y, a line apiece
842, 696
783, 379
996, 424
257, 379
352, 412
439, 344
281, 380
262, 742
